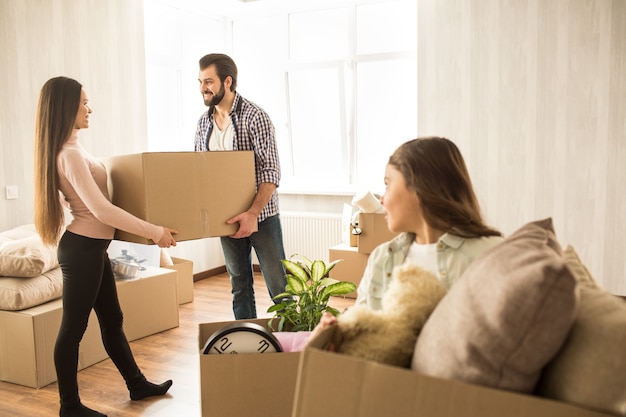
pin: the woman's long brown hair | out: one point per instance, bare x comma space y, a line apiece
434, 169
56, 112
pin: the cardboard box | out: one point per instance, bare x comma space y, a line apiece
352, 387
374, 231
192, 192
184, 279
149, 303
260, 385
27, 337
351, 268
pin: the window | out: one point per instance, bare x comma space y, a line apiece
339, 82
175, 40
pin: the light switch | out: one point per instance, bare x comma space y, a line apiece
11, 192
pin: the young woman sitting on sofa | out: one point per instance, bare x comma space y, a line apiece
429, 199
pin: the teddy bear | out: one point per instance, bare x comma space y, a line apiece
389, 335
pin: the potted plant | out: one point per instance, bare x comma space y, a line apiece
307, 293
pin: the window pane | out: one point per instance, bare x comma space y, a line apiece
161, 45
321, 35
163, 108
387, 27
175, 41
386, 115
260, 51
200, 35
316, 125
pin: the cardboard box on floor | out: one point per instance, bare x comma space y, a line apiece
351, 268
184, 268
27, 337
252, 384
192, 192
332, 384
374, 231
149, 303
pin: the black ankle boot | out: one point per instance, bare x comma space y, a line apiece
79, 411
144, 389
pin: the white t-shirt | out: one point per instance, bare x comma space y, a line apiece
222, 140
424, 256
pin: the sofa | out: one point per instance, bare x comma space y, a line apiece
525, 331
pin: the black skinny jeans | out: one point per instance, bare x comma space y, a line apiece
88, 283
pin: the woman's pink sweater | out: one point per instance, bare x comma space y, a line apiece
83, 185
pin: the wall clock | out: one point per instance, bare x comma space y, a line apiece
244, 337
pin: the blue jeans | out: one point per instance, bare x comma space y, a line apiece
268, 245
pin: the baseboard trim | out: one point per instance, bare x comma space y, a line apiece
217, 271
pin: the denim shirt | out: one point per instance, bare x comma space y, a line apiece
454, 254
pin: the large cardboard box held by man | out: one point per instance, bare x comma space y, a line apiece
246, 384
192, 192
337, 385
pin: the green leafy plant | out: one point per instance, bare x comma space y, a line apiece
307, 293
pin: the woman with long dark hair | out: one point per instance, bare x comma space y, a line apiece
65, 170
429, 199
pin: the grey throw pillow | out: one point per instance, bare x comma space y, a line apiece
590, 370
506, 317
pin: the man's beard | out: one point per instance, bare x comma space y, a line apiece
217, 98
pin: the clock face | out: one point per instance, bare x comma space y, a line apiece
242, 338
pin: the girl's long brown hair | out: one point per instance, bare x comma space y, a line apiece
434, 169
56, 112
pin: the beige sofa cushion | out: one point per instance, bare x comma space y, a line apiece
21, 293
505, 318
23, 254
590, 370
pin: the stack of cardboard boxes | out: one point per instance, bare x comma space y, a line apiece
374, 231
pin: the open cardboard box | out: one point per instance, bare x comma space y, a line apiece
333, 384
246, 384
192, 192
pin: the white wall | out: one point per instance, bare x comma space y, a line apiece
534, 93
100, 43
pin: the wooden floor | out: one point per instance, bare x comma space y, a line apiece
172, 354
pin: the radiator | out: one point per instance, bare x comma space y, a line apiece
310, 234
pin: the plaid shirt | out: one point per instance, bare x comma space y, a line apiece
253, 131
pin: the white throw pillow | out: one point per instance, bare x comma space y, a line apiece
21, 293
24, 255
